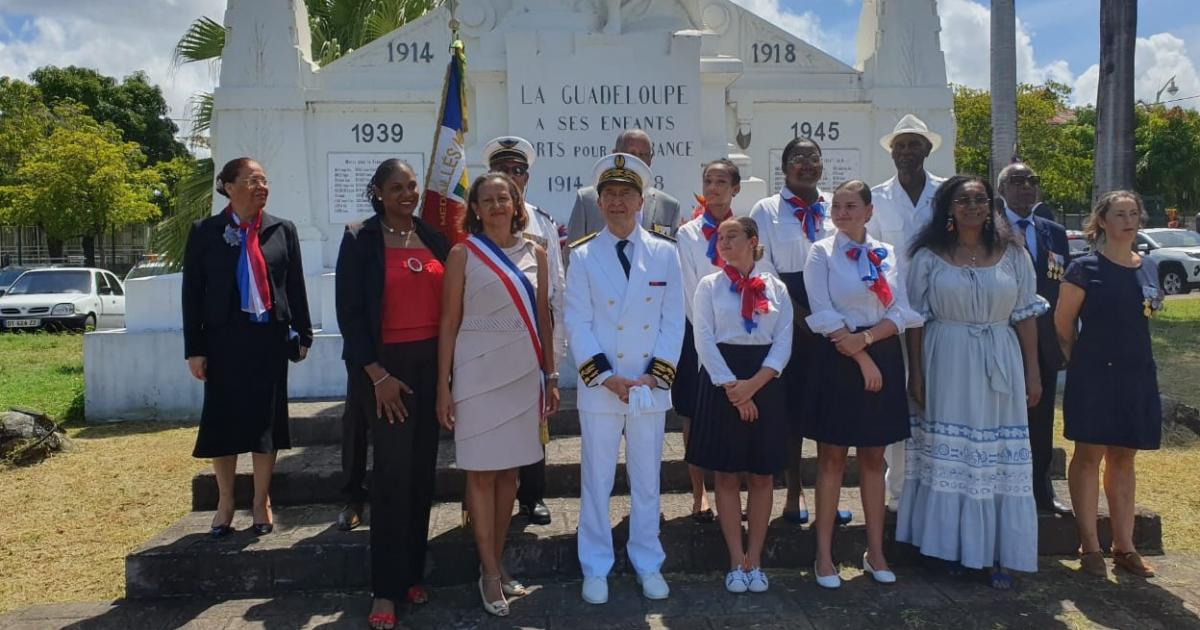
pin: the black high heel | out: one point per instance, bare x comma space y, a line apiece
262, 529
220, 531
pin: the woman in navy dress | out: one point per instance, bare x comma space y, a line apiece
1111, 407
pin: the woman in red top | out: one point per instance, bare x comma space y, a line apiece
389, 294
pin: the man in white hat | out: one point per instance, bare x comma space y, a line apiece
624, 316
514, 156
659, 212
903, 205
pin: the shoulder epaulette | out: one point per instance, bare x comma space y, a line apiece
581, 241
661, 235
538, 209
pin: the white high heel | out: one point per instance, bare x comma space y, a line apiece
497, 608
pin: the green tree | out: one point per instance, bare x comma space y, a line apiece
24, 120
338, 27
171, 174
1167, 156
134, 105
80, 181
1052, 140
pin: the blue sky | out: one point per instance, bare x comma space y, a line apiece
1059, 39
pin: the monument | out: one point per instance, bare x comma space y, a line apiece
705, 78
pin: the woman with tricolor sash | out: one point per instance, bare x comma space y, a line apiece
856, 392
496, 375
245, 313
743, 330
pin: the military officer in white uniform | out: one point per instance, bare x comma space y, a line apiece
514, 156
903, 205
624, 316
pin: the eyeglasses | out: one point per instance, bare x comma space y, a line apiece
967, 201
512, 171
797, 160
253, 182
1021, 180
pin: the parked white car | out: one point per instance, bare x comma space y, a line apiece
1177, 253
78, 298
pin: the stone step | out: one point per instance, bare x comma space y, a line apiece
314, 422
313, 474
308, 553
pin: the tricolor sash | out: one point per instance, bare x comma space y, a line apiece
519, 288
252, 282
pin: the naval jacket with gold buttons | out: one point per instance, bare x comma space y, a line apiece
624, 326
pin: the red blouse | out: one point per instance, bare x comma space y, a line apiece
412, 295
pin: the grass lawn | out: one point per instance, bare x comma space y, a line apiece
70, 520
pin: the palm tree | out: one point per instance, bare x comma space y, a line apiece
1115, 118
1004, 84
338, 27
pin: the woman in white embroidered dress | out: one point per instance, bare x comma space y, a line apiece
968, 494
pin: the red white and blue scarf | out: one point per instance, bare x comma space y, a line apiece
709, 227
753, 292
253, 287
870, 269
809, 216
519, 288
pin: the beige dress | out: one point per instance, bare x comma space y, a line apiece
496, 378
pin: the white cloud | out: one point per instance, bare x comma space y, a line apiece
966, 40
1156, 60
114, 37
805, 26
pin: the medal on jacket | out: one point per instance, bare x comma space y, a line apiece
1151, 300
1054, 266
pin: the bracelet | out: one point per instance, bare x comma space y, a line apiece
552, 376
867, 336
381, 379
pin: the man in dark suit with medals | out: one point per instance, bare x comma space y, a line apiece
1046, 241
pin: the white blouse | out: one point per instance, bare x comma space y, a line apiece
694, 262
717, 312
840, 298
782, 235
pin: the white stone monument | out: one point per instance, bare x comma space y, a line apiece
705, 78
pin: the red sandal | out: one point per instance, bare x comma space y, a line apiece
417, 595
382, 621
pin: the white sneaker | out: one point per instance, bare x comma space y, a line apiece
736, 582
653, 586
757, 580
595, 590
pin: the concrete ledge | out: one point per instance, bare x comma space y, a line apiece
307, 552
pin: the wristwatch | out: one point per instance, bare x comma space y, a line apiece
867, 336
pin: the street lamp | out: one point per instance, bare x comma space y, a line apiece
1169, 88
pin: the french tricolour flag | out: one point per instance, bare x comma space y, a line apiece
446, 183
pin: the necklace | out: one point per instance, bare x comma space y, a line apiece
972, 254
391, 230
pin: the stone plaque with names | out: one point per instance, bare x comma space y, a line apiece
349, 176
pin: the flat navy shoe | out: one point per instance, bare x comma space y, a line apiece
220, 531
844, 517
799, 517
262, 529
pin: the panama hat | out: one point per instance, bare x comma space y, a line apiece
911, 124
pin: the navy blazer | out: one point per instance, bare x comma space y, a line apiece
210, 290
1051, 237
359, 285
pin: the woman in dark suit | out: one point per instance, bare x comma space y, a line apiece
389, 296
245, 311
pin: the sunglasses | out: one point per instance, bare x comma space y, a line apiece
1021, 180
967, 201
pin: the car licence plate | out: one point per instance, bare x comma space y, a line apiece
22, 323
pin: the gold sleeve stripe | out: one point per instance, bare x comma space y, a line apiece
662, 370
592, 368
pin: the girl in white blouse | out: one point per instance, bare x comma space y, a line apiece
742, 319
856, 392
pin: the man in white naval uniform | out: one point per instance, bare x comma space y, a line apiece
514, 156
624, 316
903, 205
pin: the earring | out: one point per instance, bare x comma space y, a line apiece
950, 223
987, 223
